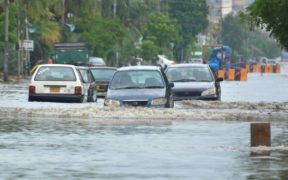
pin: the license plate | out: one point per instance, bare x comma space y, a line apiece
54, 89
99, 88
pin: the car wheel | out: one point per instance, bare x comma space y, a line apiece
92, 96
171, 102
218, 97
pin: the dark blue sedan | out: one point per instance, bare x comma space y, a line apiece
145, 86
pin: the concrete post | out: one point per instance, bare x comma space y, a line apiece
260, 134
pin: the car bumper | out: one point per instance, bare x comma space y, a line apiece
137, 104
179, 98
102, 89
56, 97
101, 94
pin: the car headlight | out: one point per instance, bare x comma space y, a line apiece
211, 91
158, 101
111, 102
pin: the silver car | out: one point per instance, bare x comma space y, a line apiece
194, 81
145, 86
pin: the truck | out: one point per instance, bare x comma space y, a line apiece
71, 53
196, 57
220, 58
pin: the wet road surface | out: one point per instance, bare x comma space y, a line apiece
41, 146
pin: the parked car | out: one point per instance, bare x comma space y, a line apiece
102, 76
96, 61
271, 61
194, 81
59, 82
145, 86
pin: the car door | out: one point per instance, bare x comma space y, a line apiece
169, 94
92, 90
85, 81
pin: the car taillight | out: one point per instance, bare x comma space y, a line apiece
32, 89
78, 90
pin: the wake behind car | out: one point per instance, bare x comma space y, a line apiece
194, 81
102, 76
145, 86
65, 83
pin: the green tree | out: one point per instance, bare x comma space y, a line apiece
102, 36
162, 31
134, 14
233, 32
192, 17
236, 34
272, 16
12, 36
38, 17
149, 50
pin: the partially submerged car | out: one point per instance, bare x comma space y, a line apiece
65, 83
194, 81
102, 76
145, 86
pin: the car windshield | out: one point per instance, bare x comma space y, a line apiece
271, 62
103, 74
55, 74
139, 79
186, 74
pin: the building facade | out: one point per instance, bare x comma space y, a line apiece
218, 9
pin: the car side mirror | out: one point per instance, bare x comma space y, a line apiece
219, 79
171, 84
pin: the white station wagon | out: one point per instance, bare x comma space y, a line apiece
59, 82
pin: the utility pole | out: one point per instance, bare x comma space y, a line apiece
114, 8
114, 16
6, 42
18, 41
27, 61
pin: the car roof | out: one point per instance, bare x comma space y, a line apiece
188, 65
81, 67
130, 68
56, 65
102, 67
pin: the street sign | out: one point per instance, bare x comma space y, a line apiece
28, 45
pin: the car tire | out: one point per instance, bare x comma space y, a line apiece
92, 96
218, 98
170, 104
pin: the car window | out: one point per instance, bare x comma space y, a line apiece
84, 73
55, 74
137, 79
103, 74
197, 74
96, 61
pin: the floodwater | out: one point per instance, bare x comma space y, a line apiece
56, 149
258, 88
77, 145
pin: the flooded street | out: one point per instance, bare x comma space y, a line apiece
195, 140
55, 149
